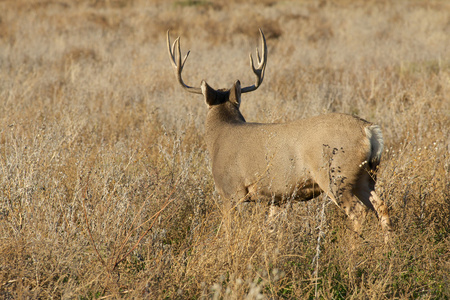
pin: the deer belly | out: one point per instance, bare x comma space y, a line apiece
279, 193
307, 191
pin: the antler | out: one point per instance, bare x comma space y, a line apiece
259, 72
178, 64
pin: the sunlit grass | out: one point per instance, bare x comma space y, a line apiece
105, 182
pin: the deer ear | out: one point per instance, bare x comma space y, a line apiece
209, 93
235, 92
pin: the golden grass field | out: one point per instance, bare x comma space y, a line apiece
105, 183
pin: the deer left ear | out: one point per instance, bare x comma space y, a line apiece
235, 92
209, 93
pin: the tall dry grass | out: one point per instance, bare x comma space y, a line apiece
105, 184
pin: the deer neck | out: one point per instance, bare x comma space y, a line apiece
220, 118
225, 113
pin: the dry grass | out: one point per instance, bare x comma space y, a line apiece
105, 185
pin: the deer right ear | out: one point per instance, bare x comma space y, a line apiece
235, 92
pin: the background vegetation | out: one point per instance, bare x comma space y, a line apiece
105, 184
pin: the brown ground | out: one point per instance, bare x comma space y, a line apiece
105, 185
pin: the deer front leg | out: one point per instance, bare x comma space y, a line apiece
271, 221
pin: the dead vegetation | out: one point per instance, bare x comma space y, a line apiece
105, 184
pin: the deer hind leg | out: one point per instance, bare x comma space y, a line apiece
382, 213
343, 196
365, 191
354, 209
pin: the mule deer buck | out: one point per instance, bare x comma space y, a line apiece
336, 154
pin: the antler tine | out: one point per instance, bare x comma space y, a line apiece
258, 57
178, 64
171, 50
185, 58
261, 61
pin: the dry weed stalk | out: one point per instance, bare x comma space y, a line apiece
121, 255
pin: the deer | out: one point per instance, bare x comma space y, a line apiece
336, 154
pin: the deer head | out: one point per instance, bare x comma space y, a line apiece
219, 96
